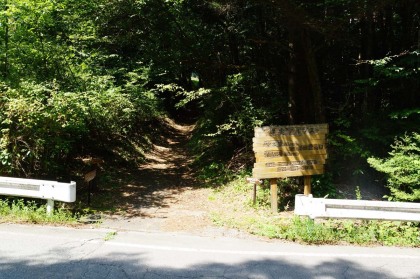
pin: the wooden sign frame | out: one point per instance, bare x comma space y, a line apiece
289, 151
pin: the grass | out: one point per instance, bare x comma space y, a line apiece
29, 211
110, 236
238, 212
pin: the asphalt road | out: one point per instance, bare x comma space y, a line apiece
54, 252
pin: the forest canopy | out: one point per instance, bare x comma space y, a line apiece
79, 78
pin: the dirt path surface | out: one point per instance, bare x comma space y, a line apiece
162, 195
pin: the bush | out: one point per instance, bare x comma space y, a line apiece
39, 125
402, 168
44, 127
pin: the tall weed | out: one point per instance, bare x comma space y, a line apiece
21, 210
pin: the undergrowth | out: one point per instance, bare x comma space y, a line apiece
240, 213
29, 211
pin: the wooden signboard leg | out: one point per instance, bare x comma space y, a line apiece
307, 185
274, 197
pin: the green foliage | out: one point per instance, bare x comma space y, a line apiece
39, 125
346, 145
59, 96
20, 210
217, 174
347, 151
114, 110
322, 185
263, 198
229, 115
358, 193
44, 39
354, 232
404, 114
400, 66
402, 168
214, 173
243, 115
43, 127
110, 236
352, 141
305, 230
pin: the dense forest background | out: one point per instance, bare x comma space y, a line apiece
85, 78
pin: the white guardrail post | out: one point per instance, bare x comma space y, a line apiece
41, 189
356, 209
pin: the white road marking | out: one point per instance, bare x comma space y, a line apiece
259, 253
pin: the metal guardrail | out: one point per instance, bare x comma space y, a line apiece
356, 209
42, 189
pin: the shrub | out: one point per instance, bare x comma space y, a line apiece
43, 126
38, 125
402, 168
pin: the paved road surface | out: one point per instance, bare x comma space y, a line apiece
53, 252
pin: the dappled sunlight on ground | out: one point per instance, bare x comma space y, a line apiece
162, 193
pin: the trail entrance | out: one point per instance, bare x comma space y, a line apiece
162, 193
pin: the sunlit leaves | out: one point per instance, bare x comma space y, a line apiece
402, 168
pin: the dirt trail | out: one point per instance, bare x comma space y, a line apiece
162, 194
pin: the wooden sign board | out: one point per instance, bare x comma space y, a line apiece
287, 151
293, 130
287, 162
291, 150
299, 157
283, 174
289, 143
263, 139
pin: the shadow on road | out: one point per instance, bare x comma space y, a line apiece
50, 252
135, 266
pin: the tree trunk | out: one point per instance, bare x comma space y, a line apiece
305, 96
315, 85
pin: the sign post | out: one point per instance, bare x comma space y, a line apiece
289, 151
307, 185
274, 197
